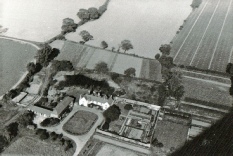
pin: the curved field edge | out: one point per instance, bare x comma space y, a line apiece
14, 56
84, 56
80, 123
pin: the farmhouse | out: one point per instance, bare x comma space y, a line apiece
86, 100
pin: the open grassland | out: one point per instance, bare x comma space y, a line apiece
124, 62
83, 56
147, 24
206, 39
39, 20
80, 123
205, 91
14, 57
171, 134
32, 146
112, 150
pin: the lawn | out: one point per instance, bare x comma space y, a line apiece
32, 146
113, 150
207, 92
171, 134
147, 24
14, 57
40, 20
80, 123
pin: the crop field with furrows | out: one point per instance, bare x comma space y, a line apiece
87, 57
206, 38
208, 92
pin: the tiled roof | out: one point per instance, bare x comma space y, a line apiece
98, 99
62, 105
40, 110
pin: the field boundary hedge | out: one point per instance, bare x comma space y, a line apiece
207, 103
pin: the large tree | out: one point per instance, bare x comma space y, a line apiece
68, 25
94, 14
126, 45
43, 55
130, 72
83, 14
165, 49
113, 112
104, 45
101, 67
86, 36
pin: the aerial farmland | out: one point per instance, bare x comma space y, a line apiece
147, 24
116, 77
206, 39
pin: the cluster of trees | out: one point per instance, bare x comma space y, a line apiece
172, 86
63, 65
12, 130
111, 114
49, 122
86, 82
46, 54
86, 36
101, 67
92, 13
68, 25
43, 134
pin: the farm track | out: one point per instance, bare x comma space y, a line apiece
206, 39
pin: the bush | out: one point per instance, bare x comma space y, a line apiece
130, 72
44, 135
49, 122
113, 112
157, 56
104, 45
101, 67
128, 107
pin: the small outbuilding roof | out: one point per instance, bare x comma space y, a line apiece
40, 110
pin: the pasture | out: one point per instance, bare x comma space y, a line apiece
80, 123
32, 146
113, 150
147, 24
208, 92
206, 38
83, 56
39, 20
14, 57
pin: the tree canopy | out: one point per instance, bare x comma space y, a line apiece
68, 25
104, 45
165, 49
83, 14
86, 36
130, 72
101, 67
126, 45
94, 14
113, 112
